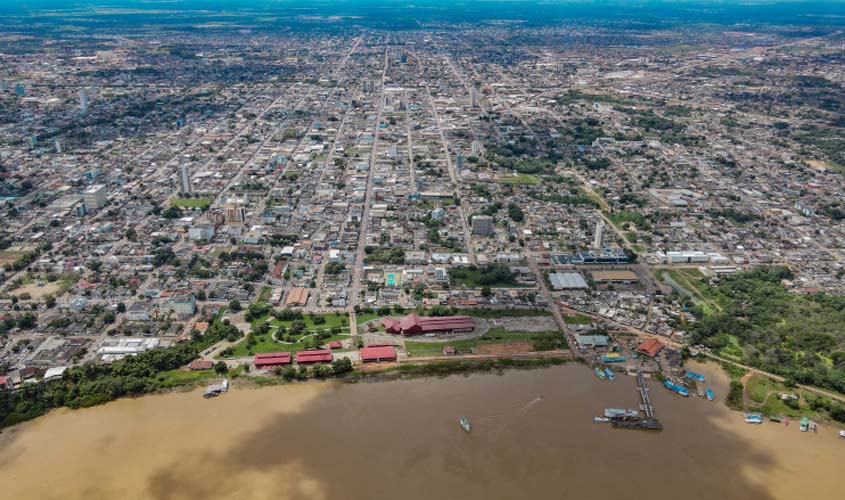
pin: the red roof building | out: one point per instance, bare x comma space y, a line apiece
201, 364
420, 325
377, 353
650, 347
317, 356
335, 344
272, 359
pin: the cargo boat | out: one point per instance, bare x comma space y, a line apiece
610, 374
600, 373
648, 423
616, 412
613, 357
679, 389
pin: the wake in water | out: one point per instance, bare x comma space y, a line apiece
521, 411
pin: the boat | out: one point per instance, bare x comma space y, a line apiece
599, 373
616, 412
695, 376
648, 423
842, 434
465, 425
601, 419
679, 389
805, 424
753, 418
775, 418
215, 390
709, 393
613, 357
610, 374
211, 392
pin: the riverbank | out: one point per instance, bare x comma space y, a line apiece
310, 441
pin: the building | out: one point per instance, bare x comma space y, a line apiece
599, 235
417, 325
650, 347
624, 277
201, 364
567, 281
298, 296
377, 353
139, 311
482, 225
585, 341
474, 98
182, 305
201, 232
271, 360
316, 356
95, 196
185, 180
234, 213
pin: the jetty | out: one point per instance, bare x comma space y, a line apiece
650, 421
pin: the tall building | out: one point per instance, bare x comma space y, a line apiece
476, 147
95, 196
459, 161
482, 225
185, 179
474, 95
234, 213
83, 101
58, 146
599, 234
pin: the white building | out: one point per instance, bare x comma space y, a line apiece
95, 196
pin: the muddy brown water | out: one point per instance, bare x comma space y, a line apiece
401, 440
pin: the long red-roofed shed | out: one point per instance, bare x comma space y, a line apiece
376, 353
316, 356
272, 359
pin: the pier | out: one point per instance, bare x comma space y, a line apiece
649, 422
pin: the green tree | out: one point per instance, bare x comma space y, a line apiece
220, 367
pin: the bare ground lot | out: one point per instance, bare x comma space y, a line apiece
37, 292
526, 324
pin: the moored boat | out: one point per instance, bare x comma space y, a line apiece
775, 418
695, 376
617, 412
600, 373
709, 393
679, 389
842, 434
613, 357
805, 424
465, 425
753, 418
601, 419
610, 374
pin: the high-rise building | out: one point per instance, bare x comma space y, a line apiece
83, 101
234, 213
597, 240
58, 146
459, 161
482, 225
474, 96
185, 179
95, 196
476, 147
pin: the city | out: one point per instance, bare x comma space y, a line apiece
354, 198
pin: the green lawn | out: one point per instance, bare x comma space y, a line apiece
361, 318
202, 203
492, 337
758, 387
519, 179
265, 343
264, 294
175, 378
578, 319
331, 320
502, 313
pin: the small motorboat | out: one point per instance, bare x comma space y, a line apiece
601, 419
775, 418
600, 373
842, 434
709, 393
805, 424
465, 425
610, 374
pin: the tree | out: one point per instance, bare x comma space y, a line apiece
340, 366
220, 367
49, 301
486, 292
235, 305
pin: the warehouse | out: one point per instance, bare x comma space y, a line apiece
416, 325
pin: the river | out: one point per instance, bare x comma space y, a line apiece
400, 440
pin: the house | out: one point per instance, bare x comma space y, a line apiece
377, 353
585, 341
139, 311
416, 325
298, 296
335, 344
